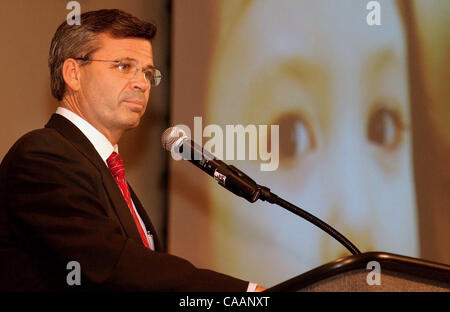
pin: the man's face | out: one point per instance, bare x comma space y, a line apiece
338, 89
108, 100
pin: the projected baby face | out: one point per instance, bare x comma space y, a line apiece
338, 88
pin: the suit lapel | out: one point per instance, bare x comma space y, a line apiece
84, 146
144, 216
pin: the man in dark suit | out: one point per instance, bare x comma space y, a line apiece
63, 193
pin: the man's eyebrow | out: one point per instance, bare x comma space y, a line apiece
149, 66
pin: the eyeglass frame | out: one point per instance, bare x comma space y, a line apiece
154, 69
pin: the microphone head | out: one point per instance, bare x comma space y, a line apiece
172, 137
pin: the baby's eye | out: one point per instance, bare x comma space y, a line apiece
384, 128
296, 137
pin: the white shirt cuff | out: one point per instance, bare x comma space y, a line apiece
251, 287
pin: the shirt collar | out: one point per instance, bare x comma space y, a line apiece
101, 144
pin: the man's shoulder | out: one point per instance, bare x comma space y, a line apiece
44, 142
39, 139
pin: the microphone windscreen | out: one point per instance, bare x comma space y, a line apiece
170, 136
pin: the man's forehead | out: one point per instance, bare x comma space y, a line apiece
135, 48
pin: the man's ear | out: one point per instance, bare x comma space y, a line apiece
71, 74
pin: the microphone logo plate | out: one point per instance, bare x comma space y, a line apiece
219, 178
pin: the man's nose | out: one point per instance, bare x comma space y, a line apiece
138, 82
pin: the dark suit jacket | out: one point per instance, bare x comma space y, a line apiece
59, 203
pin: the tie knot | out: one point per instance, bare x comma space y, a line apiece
115, 165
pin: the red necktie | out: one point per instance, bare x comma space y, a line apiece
117, 169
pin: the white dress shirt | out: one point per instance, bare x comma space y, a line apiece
103, 147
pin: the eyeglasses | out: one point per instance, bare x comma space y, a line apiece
128, 69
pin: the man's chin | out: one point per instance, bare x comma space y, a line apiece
133, 121
136, 123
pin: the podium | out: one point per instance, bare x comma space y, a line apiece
372, 272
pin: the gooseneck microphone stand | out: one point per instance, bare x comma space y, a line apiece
274, 199
242, 185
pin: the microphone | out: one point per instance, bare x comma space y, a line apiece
176, 141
